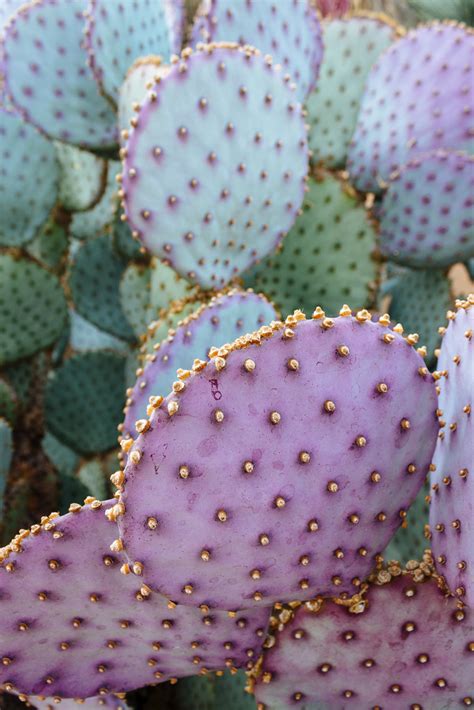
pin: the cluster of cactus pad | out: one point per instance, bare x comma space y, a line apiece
278, 488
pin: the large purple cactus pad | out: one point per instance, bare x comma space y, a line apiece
411, 648
100, 703
452, 495
215, 165
427, 215
47, 77
280, 468
288, 30
71, 625
221, 321
418, 98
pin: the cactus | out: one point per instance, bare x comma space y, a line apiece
103, 631
108, 701
83, 178
344, 654
8, 402
95, 221
141, 76
6, 447
452, 498
200, 218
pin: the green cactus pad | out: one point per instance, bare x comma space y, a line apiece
86, 336
27, 376
351, 46
8, 402
420, 299
409, 543
94, 281
460, 10
83, 178
326, 256
51, 244
6, 450
213, 692
32, 308
93, 476
91, 223
124, 244
64, 459
145, 291
29, 176
84, 401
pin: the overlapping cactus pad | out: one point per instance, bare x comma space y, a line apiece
266, 475
100, 631
140, 78
83, 178
418, 98
47, 77
224, 319
215, 167
427, 212
25, 200
288, 30
119, 32
410, 647
451, 514
106, 701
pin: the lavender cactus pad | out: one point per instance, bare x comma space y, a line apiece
101, 631
100, 703
288, 30
215, 166
427, 212
452, 495
282, 466
221, 321
410, 648
418, 98
140, 78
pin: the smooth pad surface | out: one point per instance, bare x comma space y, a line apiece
418, 98
285, 463
288, 30
214, 171
116, 637
452, 502
83, 178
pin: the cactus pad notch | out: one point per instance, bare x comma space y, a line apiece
279, 468
227, 114
102, 631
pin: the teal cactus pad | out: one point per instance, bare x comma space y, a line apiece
288, 30
214, 169
94, 281
32, 308
214, 692
86, 336
47, 77
51, 244
83, 178
27, 376
6, 452
8, 402
175, 14
124, 244
93, 477
93, 222
221, 321
420, 299
460, 10
410, 542
140, 78
427, 214
158, 329
117, 33
64, 459
351, 46
146, 290
327, 255
102, 702
29, 177
7, 9
84, 401
427, 73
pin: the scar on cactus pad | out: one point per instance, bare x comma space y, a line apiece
230, 116
101, 631
452, 494
404, 644
304, 444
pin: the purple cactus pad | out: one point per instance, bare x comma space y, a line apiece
71, 625
410, 647
281, 466
452, 495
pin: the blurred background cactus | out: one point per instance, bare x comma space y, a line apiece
174, 175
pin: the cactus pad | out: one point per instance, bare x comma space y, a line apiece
119, 33
83, 178
410, 648
86, 336
8, 402
327, 254
56, 91
100, 703
102, 631
213, 693
51, 244
289, 31
452, 495
6, 451
175, 14
93, 222
94, 280
25, 200
267, 471
415, 101
221, 321
351, 46
411, 542
32, 308
227, 115
158, 329
140, 78
84, 401
427, 213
